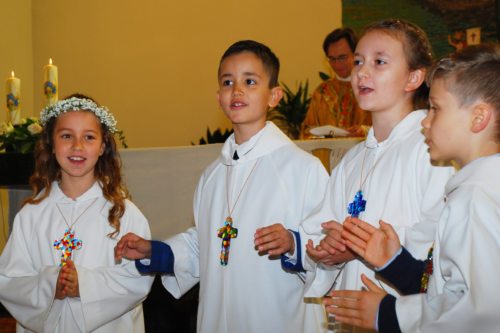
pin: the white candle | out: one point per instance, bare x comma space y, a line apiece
50, 86
13, 94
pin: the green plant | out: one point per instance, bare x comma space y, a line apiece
323, 76
216, 137
291, 110
20, 138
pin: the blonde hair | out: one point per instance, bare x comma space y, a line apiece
472, 74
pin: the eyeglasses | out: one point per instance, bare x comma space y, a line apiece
339, 59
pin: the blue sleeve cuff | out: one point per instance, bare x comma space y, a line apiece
387, 320
162, 260
286, 263
378, 269
404, 272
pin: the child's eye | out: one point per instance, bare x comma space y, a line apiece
227, 83
380, 62
250, 82
357, 62
65, 136
89, 137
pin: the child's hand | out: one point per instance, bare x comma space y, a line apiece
274, 240
376, 246
358, 308
132, 247
60, 294
319, 255
69, 279
333, 242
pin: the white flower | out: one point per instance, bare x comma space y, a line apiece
34, 128
76, 104
23, 121
6, 128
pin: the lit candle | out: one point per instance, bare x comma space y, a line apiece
50, 87
13, 92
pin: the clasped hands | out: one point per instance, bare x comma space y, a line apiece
67, 281
376, 246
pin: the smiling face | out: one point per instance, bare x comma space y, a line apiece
78, 144
447, 125
380, 77
244, 94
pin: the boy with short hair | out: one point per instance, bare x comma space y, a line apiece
261, 178
454, 290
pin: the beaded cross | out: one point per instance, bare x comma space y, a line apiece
428, 270
226, 233
67, 244
358, 205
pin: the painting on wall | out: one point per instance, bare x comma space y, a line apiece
449, 24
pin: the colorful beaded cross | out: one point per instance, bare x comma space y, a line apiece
358, 205
226, 233
428, 270
67, 244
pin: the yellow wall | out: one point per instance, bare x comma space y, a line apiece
154, 62
16, 52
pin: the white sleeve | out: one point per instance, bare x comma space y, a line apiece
185, 247
26, 292
467, 272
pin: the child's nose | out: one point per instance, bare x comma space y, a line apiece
237, 90
362, 71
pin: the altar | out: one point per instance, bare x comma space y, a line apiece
162, 182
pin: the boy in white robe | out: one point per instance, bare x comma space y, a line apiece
261, 178
57, 271
455, 289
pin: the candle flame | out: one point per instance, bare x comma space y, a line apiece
50, 61
12, 73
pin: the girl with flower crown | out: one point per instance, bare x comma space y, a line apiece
57, 272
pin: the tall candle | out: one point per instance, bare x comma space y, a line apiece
50, 86
13, 94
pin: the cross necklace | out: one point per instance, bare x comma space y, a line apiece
68, 242
358, 204
227, 232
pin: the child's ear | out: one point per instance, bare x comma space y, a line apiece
276, 95
481, 115
415, 79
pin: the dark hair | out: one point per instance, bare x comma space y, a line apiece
337, 35
472, 74
269, 59
416, 46
107, 170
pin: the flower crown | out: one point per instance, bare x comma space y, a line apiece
77, 104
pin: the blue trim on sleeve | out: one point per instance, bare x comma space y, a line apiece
405, 273
387, 317
162, 260
297, 267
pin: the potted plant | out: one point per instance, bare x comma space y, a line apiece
289, 114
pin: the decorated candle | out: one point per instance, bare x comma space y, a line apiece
50, 86
13, 94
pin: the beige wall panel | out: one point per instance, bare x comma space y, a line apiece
154, 63
16, 52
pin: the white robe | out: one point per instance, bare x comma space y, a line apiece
252, 293
463, 293
401, 188
110, 294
